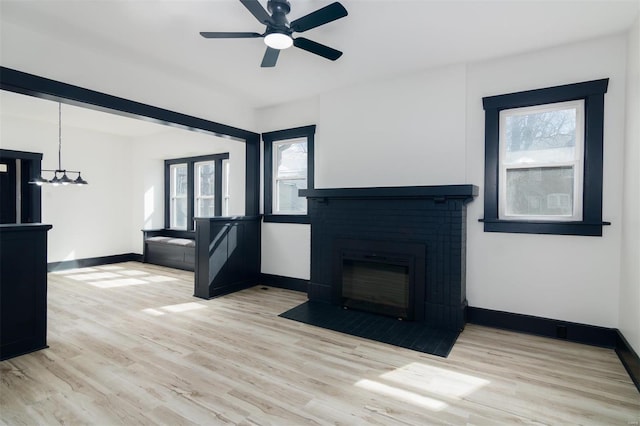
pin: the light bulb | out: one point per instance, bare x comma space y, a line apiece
278, 41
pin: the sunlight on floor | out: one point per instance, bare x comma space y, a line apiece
402, 395
422, 384
112, 276
132, 273
121, 282
181, 307
158, 278
435, 380
94, 276
154, 312
73, 271
110, 267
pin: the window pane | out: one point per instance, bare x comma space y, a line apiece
287, 199
179, 213
178, 191
205, 185
540, 137
179, 179
540, 191
205, 177
291, 159
205, 207
226, 193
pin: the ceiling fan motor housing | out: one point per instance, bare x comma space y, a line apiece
279, 10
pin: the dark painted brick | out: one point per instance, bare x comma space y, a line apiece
440, 226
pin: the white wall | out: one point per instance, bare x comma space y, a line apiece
88, 221
147, 163
427, 128
405, 131
286, 250
630, 254
570, 278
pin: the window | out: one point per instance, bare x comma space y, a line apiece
288, 167
226, 188
194, 189
178, 196
289, 175
543, 160
205, 189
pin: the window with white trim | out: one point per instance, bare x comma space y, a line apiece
541, 162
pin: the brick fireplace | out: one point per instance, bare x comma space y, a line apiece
396, 251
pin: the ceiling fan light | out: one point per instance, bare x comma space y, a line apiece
278, 41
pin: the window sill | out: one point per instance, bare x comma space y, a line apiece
287, 218
591, 229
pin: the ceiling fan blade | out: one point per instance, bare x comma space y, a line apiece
319, 17
229, 35
317, 48
257, 10
270, 58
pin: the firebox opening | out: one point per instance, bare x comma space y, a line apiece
377, 286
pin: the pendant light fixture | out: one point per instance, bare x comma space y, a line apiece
59, 175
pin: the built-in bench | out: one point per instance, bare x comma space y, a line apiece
170, 247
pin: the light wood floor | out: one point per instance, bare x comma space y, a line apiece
130, 345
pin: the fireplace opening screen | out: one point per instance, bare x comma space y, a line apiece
383, 288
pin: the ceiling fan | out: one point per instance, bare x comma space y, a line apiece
278, 34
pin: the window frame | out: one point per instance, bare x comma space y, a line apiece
592, 93
191, 161
270, 139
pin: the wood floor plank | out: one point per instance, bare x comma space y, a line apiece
129, 344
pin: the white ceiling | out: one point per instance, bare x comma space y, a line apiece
42, 110
379, 38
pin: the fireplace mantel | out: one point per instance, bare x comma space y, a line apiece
431, 220
436, 192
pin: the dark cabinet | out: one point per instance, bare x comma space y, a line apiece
227, 255
19, 201
23, 288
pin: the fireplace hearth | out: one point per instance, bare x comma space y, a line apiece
394, 251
